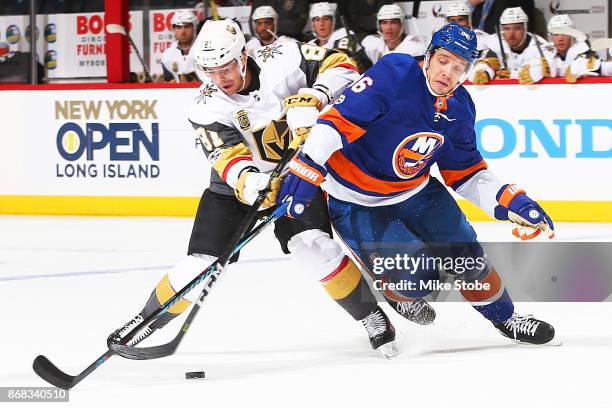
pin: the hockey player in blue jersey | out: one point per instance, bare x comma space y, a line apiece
372, 152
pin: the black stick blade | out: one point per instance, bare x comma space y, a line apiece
51, 374
145, 353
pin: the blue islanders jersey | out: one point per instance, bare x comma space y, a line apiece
393, 130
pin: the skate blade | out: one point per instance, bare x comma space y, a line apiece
390, 349
555, 342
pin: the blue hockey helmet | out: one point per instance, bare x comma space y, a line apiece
458, 40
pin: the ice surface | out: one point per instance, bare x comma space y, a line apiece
270, 336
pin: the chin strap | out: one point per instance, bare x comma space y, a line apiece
243, 69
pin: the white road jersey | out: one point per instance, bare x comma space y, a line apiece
339, 39
375, 46
258, 119
254, 43
482, 38
177, 63
514, 61
559, 65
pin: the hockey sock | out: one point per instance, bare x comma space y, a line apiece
348, 288
164, 291
489, 297
179, 276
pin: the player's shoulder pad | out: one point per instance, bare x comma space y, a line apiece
209, 105
280, 55
166, 56
492, 43
400, 64
338, 35
464, 107
371, 41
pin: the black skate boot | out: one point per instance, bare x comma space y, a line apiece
417, 311
381, 333
527, 330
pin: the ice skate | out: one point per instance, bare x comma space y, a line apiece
528, 330
417, 311
381, 333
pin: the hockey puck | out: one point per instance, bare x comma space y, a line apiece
191, 375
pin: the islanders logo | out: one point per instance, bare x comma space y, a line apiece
413, 153
13, 35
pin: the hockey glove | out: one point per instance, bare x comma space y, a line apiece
302, 110
300, 185
251, 182
582, 66
535, 71
502, 73
484, 70
529, 217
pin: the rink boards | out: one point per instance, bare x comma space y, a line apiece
131, 151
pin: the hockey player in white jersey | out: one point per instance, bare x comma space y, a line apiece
177, 61
391, 36
245, 115
571, 56
520, 56
264, 23
459, 12
323, 19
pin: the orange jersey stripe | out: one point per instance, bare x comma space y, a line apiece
483, 295
348, 171
350, 130
453, 176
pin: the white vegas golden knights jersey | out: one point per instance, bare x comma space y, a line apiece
482, 39
254, 43
339, 40
514, 60
249, 129
375, 46
176, 63
559, 65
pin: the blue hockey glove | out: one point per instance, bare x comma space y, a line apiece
301, 184
529, 217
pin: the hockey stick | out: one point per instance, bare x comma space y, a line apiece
53, 375
167, 349
164, 350
349, 33
537, 43
119, 29
501, 46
